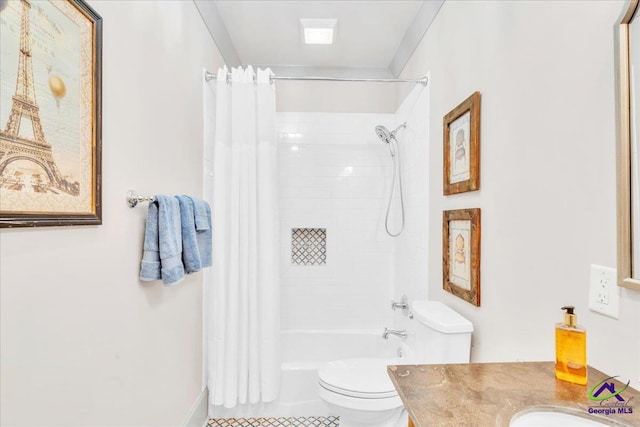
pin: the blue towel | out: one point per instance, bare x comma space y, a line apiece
202, 212
170, 239
190, 252
150, 264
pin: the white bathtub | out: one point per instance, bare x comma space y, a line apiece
303, 353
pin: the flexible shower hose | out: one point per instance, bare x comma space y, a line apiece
397, 173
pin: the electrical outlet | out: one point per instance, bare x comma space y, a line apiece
603, 291
604, 294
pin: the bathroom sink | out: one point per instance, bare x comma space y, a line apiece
558, 418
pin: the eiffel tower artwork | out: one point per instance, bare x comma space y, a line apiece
15, 146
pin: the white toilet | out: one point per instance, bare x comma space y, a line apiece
360, 391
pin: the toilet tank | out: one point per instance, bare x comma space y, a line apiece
442, 335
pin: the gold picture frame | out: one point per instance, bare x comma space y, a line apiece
461, 254
50, 114
628, 274
461, 128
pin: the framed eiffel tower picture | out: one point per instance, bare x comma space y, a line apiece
50, 113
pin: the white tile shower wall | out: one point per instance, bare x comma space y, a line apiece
334, 173
411, 247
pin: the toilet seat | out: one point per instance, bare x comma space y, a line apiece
359, 378
357, 394
358, 384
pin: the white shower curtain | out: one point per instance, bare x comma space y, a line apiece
243, 300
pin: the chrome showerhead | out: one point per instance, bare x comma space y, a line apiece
386, 136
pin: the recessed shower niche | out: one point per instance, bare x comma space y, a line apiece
309, 246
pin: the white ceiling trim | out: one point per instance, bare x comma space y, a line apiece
217, 29
416, 31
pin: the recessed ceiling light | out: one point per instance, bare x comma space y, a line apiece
318, 31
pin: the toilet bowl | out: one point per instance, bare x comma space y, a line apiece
361, 393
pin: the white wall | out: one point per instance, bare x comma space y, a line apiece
334, 173
335, 97
83, 341
546, 73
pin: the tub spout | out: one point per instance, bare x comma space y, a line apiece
402, 333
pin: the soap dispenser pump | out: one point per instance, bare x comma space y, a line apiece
571, 349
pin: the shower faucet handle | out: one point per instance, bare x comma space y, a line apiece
403, 305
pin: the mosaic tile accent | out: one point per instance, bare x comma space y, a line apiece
275, 422
309, 246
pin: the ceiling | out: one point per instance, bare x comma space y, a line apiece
375, 38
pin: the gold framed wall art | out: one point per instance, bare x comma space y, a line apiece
461, 254
627, 32
462, 147
50, 113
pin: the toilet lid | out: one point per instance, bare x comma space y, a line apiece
365, 378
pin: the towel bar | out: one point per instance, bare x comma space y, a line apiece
133, 199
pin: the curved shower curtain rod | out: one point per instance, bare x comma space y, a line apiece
208, 76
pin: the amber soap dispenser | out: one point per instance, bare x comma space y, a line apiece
571, 349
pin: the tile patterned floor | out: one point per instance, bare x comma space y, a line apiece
275, 422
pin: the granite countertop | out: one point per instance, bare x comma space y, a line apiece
490, 394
